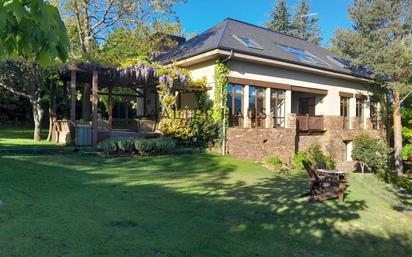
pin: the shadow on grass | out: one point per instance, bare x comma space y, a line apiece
182, 205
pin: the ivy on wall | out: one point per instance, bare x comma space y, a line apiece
221, 80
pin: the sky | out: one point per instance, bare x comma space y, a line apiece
198, 15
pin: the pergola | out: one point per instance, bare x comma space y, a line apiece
141, 77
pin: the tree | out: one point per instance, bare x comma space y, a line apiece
90, 22
280, 18
26, 79
381, 40
371, 153
93, 20
304, 26
32, 30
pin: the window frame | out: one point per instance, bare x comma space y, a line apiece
275, 119
308, 57
233, 115
257, 120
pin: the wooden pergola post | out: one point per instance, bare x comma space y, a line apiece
110, 108
73, 97
95, 102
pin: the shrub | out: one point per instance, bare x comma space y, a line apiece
154, 145
164, 144
125, 145
198, 130
371, 153
107, 146
298, 158
139, 145
317, 156
407, 152
275, 161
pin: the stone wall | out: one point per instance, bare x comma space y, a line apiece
259, 143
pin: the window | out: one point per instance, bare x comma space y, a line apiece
302, 55
374, 114
359, 107
344, 110
277, 107
256, 111
344, 106
343, 63
235, 105
248, 42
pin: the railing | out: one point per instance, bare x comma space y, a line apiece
126, 124
310, 122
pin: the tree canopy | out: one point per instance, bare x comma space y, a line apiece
381, 40
32, 30
302, 24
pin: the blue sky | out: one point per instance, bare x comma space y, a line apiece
199, 15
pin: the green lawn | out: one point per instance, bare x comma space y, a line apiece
21, 137
184, 205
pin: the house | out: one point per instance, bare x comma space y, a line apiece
284, 93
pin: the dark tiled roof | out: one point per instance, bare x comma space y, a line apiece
221, 37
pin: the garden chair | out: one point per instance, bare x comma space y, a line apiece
326, 186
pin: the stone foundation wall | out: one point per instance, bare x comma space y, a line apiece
260, 143
332, 141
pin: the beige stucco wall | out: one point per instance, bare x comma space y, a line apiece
329, 105
325, 105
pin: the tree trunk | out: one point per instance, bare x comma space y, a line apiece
397, 132
37, 117
52, 111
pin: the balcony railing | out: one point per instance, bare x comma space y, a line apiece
310, 122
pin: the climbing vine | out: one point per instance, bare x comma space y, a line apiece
221, 80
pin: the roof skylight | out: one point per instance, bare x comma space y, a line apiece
248, 42
302, 55
343, 63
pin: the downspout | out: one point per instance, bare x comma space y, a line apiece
224, 110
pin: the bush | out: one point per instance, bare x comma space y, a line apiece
407, 152
199, 130
371, 153
154, 145
316, 155
275, 161
138, 145
125, 145
298, 158
107, 146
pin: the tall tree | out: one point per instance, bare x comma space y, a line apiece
32, 30
381, 39
280, 17
27, 79
305, 26
93, 20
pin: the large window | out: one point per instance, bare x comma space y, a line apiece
359, 107
344, 110
277, 107
256, 110
235, 104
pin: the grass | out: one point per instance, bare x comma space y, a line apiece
18, 138
184, 205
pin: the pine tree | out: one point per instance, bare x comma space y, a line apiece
304, 26
280, 17
381, 39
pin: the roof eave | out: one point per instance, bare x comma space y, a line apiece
255, 58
